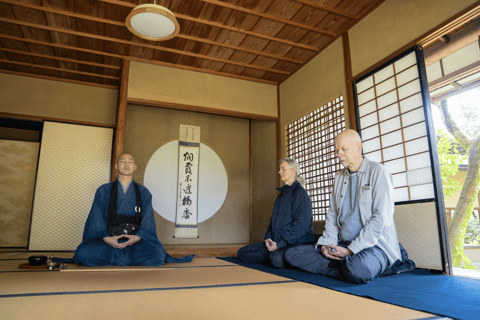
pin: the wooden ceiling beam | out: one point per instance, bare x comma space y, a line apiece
455, 76
250, 33
452, 93
122, 24
222, 26
62, 46
45, 56
329, 9
93, 84
269, 16
222, 44
455, 24
59, 69
144, 45
165, 64
457, 40
61, 12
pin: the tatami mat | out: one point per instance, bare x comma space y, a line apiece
35, 282
206, 288
12, 262
268, 301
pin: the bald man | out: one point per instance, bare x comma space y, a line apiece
120, 229
360, 240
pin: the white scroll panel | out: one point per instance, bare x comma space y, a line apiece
74, 162
186, 220
393, 129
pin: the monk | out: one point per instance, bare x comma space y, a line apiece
120, 229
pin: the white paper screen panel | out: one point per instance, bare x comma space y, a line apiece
393, 129
74, 161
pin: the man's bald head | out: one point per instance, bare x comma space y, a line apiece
348, 149
349, 134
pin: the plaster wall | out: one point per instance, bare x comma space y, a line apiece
264, 176
159, 83
394, 24
317, 83
150, 128
55, 99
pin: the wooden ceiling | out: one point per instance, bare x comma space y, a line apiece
85, 41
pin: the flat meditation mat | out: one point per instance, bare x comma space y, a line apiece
448, 296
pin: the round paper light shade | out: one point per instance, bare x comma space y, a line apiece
152, 22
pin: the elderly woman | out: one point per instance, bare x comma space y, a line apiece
291, 222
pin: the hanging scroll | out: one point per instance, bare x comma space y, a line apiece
187, 191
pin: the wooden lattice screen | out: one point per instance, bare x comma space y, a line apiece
310, 140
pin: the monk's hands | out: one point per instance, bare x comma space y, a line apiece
334, 252
271, 245
113, 241
132, 239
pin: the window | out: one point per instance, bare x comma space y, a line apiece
391, 119
310, 142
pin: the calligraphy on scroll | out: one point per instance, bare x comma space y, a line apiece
187, 195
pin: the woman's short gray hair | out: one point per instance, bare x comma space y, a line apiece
294, 165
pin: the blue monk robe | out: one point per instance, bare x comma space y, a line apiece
93, 251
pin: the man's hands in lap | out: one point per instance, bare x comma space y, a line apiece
271, 245
337, 253
113, 240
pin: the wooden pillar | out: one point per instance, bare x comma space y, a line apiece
279, 133
120, 123
348, 78
250, 179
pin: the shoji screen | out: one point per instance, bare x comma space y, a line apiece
310, 142
74, 161
394, 120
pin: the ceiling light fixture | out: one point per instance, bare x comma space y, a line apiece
152, 22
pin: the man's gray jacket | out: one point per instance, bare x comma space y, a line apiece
376, 206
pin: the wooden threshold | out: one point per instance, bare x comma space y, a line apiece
204, 251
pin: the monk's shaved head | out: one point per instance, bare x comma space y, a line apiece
125, 155
125, 166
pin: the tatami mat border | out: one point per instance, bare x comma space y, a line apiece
176, 267
13, 259
143, 290
12, 271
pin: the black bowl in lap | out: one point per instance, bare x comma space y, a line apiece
37, 260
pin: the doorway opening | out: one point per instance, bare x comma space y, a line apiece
453, 72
